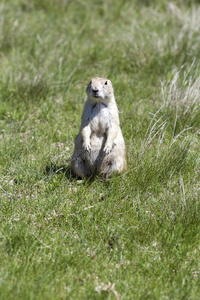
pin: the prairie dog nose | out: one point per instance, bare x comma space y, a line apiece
95, 90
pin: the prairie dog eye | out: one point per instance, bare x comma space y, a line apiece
90, 83
106, 83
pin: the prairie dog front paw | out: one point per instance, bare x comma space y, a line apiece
107, 149
87, 147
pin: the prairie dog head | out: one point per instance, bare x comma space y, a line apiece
100, 89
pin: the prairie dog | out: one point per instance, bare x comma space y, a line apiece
99, 145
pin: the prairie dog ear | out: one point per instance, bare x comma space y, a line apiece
109, 82
88, 86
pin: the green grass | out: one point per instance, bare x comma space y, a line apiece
136, 235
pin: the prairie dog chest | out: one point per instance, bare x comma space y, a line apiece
100, 118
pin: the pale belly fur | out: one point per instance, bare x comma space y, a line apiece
100, 121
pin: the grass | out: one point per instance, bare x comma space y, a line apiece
136, 235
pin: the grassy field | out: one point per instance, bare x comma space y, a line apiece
136, 235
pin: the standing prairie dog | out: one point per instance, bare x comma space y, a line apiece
99, 145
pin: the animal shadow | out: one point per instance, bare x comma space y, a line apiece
53, 168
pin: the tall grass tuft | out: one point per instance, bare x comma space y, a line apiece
181, 98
